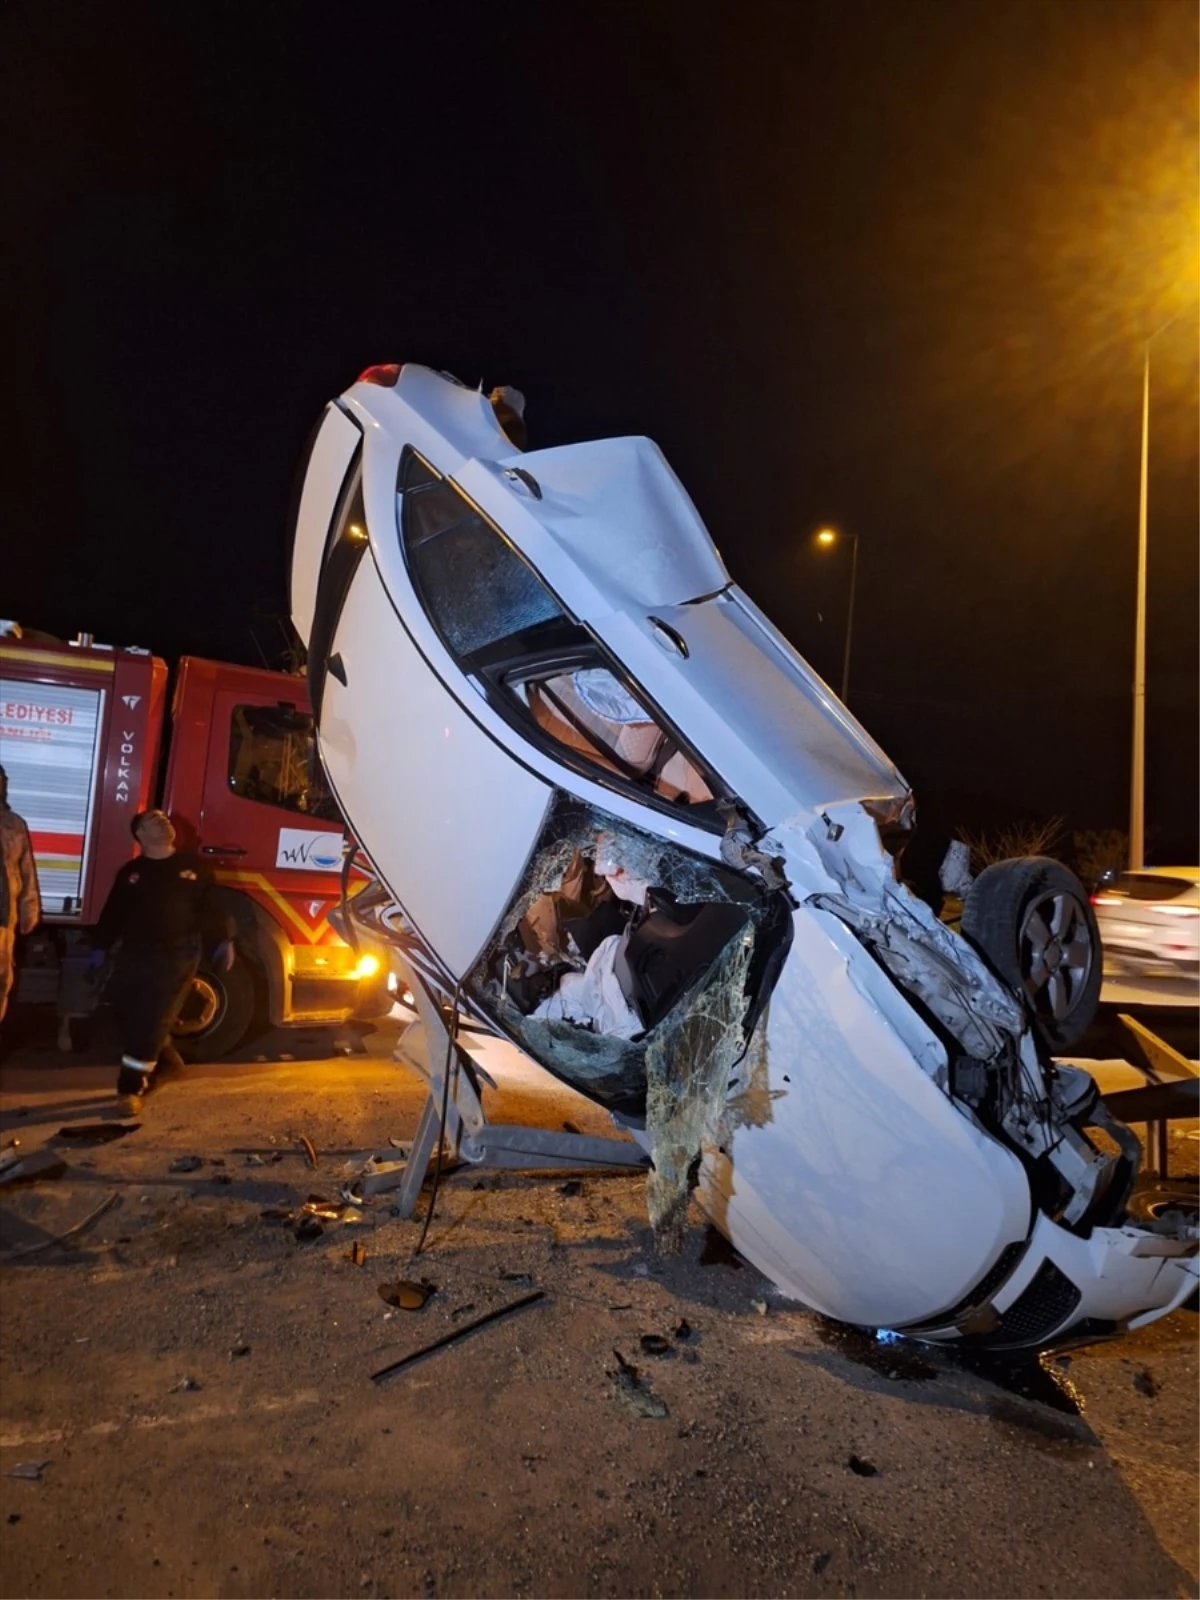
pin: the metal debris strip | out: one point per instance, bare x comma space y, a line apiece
310, 1151
28, 1469
459, 1333
61, 1238
688, 1068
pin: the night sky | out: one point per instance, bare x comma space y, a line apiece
885, 265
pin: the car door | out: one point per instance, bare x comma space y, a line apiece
447, 814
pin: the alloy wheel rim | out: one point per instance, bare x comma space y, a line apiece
1057, 953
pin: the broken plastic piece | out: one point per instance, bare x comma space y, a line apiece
38, 1166
186, 1164
631, 1389
407, 1294
27, 1469
655, 1344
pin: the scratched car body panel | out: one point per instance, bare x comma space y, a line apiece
627, 825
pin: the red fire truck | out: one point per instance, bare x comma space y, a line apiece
81, 737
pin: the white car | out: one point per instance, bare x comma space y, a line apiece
635, 834
1150, 921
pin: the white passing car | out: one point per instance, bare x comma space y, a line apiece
630, 830
1150, 922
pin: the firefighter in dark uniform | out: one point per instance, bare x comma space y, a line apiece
161, 914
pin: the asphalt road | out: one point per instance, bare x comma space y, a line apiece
197, 1381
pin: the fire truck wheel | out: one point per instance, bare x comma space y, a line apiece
217, 1014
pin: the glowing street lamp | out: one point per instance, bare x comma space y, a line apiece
828, 537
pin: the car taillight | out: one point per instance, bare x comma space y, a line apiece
386, 376
1106, 900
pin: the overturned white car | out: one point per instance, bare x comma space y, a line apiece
632, 831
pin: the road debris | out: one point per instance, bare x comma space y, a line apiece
655, 1344
97, 1132
862, 1467
683, 1331
571, 1187
407, 1294
28, 1469
310, 1151
186, 1164
459, 1333
633, 1391
69, 1233
238, 1349
39, 1166
186, 1385
308, 1229
1145, 1383
357, 1254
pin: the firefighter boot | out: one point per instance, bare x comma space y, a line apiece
134, 1082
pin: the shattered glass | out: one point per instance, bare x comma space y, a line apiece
680, 1073
689, 1061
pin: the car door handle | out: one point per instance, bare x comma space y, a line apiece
221, 850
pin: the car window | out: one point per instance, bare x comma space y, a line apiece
530, 658
1150, 886
474, 586
273, 760
590, 711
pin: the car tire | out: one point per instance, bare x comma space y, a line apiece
1031, 920
217, 1014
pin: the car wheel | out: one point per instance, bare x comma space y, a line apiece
1031, 919
217, 1014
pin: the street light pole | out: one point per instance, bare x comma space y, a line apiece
849, 620
829, 537
1137, 786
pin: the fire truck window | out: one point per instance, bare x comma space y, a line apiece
273, 760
